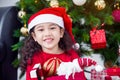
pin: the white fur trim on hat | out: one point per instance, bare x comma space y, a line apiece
46, 18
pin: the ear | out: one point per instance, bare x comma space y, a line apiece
34, 36
62, 32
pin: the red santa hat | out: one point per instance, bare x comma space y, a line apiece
55, 15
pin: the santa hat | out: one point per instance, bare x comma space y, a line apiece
55, 15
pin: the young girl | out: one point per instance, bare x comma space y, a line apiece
50, 42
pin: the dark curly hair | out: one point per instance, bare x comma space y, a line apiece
30, 47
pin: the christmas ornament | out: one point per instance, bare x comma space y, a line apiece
79, 2
51, 65
24, 30
100, 4
116, 12
36, 1
54, 3
76, 46
108, 64
82, 21
116, 15
48, 0
117, 5
98, 38
21, 13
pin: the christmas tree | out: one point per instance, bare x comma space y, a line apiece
86, 15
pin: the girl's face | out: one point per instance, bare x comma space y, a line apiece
48, 35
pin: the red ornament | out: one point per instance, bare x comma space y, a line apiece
116, 15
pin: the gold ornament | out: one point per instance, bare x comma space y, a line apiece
54, 3
21, 13
47, 0
36, 1
108, 64
24, 30
100, 4
117, 5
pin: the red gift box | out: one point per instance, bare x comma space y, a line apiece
98, 39
107, 74
113, 71
77, 76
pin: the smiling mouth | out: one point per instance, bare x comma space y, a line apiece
48, 40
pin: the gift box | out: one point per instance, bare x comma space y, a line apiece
98, 75
77, 76
107, 74
97, 38
113, 71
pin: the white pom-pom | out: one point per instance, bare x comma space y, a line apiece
76, 46
98, 68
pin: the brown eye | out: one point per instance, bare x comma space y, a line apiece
41, 30
53, 28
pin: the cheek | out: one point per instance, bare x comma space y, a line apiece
59, 34
38, 38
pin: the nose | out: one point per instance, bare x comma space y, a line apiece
47, 32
